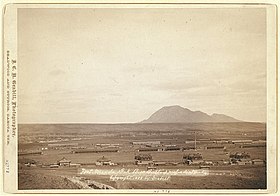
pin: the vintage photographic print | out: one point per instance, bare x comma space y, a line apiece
142, 97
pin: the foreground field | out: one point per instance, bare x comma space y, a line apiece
219, 178
29, 179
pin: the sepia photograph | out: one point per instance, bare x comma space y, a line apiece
145, 98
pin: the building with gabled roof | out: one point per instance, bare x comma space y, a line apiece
64, 162
104, 161
192, 159
143, 159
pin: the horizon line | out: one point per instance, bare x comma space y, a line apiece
115, 123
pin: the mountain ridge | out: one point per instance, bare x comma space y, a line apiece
178, 114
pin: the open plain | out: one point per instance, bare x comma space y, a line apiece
52, 156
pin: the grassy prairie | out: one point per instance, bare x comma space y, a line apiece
34, 137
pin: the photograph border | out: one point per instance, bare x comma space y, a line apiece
10, 43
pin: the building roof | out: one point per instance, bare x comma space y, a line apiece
160, 162
172, 147
244, 160
103, 159
240, 155
145, 142
64, 160
242, 141
257, 160
143, 157
147, 149
212, 146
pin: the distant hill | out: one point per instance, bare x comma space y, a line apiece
178, 114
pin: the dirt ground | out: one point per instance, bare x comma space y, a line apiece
249, 178
29, 180
37, 137
243, 178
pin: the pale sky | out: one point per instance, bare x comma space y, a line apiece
122, 65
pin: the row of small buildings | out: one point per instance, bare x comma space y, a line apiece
227, 141
239, 158
100, 150
67, 163
216, 144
